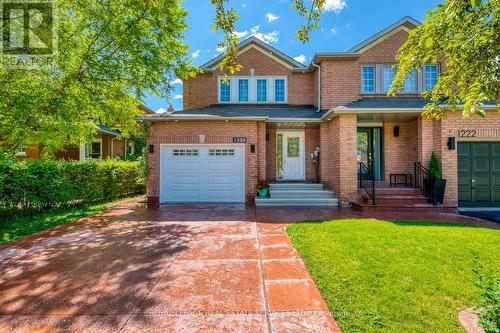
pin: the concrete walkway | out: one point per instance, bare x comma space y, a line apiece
204, 268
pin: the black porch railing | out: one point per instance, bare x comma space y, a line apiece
366, 180
423, 180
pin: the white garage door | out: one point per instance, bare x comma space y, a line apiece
202, 173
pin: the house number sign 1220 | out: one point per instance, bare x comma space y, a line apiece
239, 139
467, 133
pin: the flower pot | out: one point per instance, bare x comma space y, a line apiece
439, 186
264, 193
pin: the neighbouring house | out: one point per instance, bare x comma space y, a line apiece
106, 144
268, 120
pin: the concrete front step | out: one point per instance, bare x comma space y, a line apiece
398, 191
423, 208
296, 186
330, 202
300, 193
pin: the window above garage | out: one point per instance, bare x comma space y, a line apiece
253, 89
377, 78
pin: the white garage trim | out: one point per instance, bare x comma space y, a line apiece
204, 157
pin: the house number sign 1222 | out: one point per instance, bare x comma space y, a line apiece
467, 133
239, 139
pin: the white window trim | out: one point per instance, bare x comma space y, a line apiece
252, 89
22, 151
83, 150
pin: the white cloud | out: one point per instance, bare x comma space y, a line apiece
195, 54
271, 17
176, 81
300, 58
220, 49
269, 38
334, 5
161, 110
178, 97
333, 30
241, 34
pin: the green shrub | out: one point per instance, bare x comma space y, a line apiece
33, 186
488, 284
435, 167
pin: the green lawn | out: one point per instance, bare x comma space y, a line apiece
380, 276
18, 227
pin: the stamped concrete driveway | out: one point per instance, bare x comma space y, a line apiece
204, 268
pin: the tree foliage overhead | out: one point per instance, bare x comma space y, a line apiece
225, 20
110, 55
464, 35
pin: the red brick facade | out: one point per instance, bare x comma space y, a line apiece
336, 136
201, 91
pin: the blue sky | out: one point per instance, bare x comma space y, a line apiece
346, 23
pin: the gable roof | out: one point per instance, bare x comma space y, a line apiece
406, 22
273, 52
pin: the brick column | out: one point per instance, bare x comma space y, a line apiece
338, 146
153, 181
425, 136
261, 150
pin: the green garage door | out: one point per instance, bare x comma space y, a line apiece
479, 174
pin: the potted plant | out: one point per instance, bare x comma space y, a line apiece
436, 183
262, 189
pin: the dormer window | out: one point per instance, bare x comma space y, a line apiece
378, 78
253, 89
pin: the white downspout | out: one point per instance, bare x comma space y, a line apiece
319, 85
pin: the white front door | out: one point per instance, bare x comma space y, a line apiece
293, 156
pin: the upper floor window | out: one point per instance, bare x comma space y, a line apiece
378, 78
279, 90
410, 85
389, 73
225, 91
368, 79
253, 89
261, 90
243, 90
430, 76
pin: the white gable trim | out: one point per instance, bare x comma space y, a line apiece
263, 51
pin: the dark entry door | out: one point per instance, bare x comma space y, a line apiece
370, 149
479, 174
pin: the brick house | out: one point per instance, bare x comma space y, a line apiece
268, 120
106, 144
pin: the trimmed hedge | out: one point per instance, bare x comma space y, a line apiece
33, 186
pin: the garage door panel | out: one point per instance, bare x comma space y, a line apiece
480, 164
221, 166
223, 181
480, 149
464, 179
183, 181
481, 195
202, 173
464, 164
482, 180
